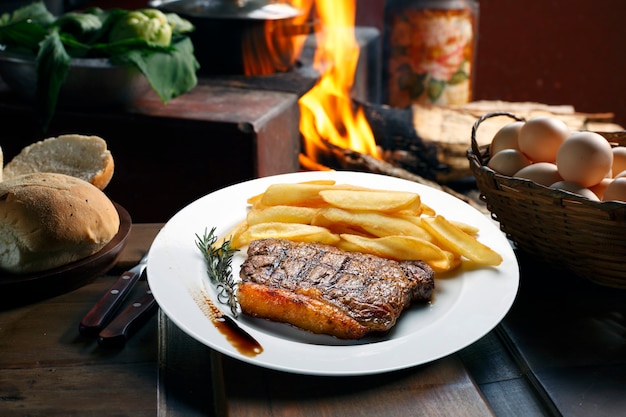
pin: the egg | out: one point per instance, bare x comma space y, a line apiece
600, 187
616, 190
585, 158
619, 160
540, 138
544, 173
620, 174
508, 162
506, 138
575, 188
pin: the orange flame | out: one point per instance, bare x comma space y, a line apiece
327, 110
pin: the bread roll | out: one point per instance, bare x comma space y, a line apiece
85, 157
48, 220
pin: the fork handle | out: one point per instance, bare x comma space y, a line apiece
102, 312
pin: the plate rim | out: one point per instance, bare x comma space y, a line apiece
305, 176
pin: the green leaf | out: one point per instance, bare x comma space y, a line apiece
53, 65
35, 12
169, 73
79, 22
25, 28
458, 77
179, 25
22, 36
33, 31
435, 89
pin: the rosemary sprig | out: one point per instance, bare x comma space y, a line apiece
219, 267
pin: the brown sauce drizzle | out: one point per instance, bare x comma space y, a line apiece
238, 338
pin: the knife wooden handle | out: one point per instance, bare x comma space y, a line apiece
102, 312
128, 321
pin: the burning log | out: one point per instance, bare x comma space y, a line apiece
402, 147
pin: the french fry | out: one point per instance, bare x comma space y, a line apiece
281, 214
255, 199
452, 238
467, 228
298, 194
374, 223
320, 182
385, 201
391, 224
427, 210
291, 231
402, 248
232, 235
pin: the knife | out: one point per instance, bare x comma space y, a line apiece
104, 309
117, 332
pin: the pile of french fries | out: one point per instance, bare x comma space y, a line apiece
390, 224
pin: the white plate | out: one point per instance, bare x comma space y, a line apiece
466, 304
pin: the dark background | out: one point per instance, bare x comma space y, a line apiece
548, 51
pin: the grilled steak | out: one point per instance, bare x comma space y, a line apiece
325, 290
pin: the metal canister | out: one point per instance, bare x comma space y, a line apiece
429, 51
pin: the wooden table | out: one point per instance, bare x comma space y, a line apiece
48, 369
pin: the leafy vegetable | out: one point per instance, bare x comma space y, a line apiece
148, 24
154, 42
219, 267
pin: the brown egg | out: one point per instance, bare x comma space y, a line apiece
600, 187
508, 162
575, 188
541, 136
616, 190
585, 158
544, 173
506, 138
619, 160
620, 174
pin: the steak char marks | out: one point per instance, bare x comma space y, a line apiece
325, 290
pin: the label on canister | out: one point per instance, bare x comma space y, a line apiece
430, 56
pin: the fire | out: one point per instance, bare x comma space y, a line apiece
328, 114
327, 110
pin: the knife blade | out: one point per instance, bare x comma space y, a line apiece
128, 321
104, 309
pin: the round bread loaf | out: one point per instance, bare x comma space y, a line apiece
81, 156
48, 220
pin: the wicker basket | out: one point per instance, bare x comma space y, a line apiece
569, 232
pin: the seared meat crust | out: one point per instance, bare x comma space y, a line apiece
325, 290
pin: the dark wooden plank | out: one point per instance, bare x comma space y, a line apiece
69, 390
441, 388
48, 369
195, 380
190, 375
569, 336
499, 378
